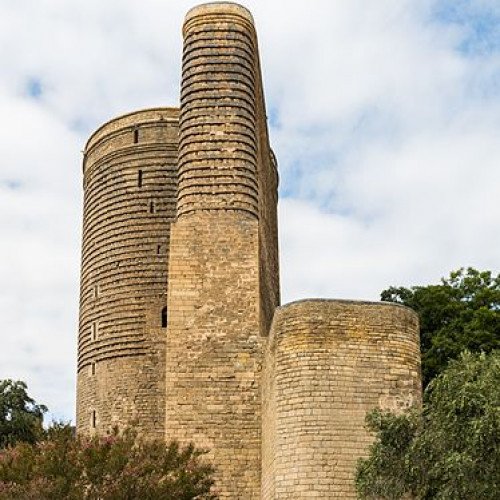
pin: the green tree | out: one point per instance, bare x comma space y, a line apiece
462, 312
450, 450
117, 467
21, 418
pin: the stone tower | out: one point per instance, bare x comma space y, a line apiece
130, 183
181, 329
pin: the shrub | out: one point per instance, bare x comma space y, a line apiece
450, 449
117, 467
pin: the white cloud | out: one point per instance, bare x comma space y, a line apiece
385, 118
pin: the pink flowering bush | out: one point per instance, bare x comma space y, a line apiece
117, 467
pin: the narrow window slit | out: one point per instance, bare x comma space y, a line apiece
151, 207
136, 136
93, 331
93, 419
139, 179
164, 317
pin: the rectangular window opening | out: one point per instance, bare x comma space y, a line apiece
93, 419
151, 207
93, 331
164, 317
92, 368
139, 179
136, 136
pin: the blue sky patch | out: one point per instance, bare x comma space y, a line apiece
273, 117
480, 22
34, 88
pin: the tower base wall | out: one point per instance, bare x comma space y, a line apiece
104, 395
213, 354
328, 363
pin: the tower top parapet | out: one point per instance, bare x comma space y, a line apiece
218, 8
132, 119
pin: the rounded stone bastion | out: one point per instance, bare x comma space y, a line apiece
327, 363
130, 183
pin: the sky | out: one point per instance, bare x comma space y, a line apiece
384, 116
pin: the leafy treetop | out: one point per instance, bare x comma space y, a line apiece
461, 313
20, 417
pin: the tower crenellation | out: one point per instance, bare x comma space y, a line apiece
182, 334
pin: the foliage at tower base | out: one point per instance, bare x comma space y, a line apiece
451, 449
461, 313
113, 468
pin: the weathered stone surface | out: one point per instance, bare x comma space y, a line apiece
130, 183
181, 333
327, 363
214, 344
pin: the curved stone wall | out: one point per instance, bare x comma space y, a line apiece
327, 363
130, 187
218, 137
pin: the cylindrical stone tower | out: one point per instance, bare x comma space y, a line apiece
327, 363
130, 183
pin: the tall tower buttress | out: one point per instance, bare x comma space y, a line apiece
223, 270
